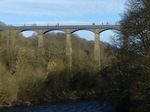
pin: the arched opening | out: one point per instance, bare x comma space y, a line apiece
86, 34
108, 35
54, 31
55, 35
107, 45
28, 33
83, 47
82, 37
54, 45
30, 37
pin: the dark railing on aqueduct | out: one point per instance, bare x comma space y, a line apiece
68, 29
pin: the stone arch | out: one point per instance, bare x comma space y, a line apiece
73, 31
54, 30
106, 35
84, 33
28, 32
109, 29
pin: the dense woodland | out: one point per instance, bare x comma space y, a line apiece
29, 75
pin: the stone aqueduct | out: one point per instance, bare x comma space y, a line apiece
68, 29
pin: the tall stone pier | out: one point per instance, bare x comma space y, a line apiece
97, 48
68, 48
40, 42
40, 39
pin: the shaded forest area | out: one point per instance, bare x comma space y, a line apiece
30, 76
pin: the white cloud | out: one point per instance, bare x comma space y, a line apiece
60, 7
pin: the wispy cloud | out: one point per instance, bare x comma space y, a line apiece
55, 8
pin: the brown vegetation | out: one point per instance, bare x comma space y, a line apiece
29, 76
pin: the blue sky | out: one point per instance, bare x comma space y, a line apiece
43, 12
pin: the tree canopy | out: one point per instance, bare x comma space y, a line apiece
136, 23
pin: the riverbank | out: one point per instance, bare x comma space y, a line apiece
54, 98
70, 97
78, 106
